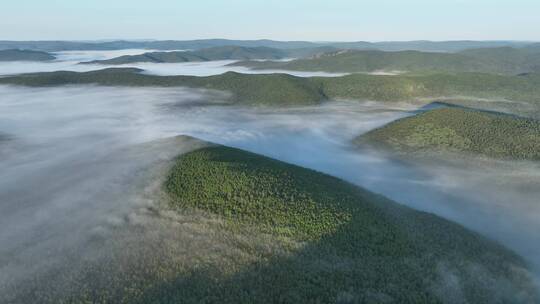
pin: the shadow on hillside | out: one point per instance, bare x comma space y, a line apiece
388, 254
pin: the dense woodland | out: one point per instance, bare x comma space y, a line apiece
359, 247
461, 130
503, 60
216, 53
25, 55
283, 89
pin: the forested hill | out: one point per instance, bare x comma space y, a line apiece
24, 55
438, 46
284, 89
460, 130
376, 249
209, 54
215, 53
505, 60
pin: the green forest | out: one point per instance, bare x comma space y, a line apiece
288, 90
502, 60
359, 246
475, 132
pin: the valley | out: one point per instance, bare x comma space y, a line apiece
261, 171
132, 138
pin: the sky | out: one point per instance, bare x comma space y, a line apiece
315, 20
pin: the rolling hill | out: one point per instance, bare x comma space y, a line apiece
460, 130
24, 55
534, 47
421, 45
231, 223
215, 53
209, 54
433, 86
263, 89
505, 60
358, 246
283, 89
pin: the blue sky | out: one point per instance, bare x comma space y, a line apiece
283, 20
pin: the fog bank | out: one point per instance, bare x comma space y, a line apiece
77, 156
69, 61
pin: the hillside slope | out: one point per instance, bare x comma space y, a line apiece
215, 53
24, 55
370, 61
229, 226
360, 247
488, 60
284, 89
433, 86
208, 54
262, 89
508, 59
460, 130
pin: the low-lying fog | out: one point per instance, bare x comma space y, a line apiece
69, 61
71, 156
